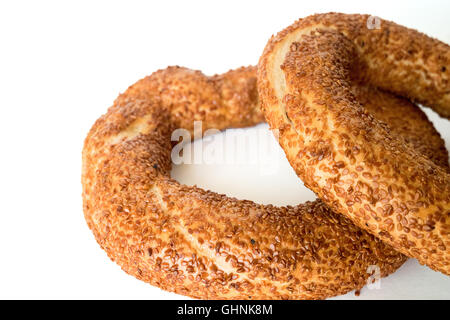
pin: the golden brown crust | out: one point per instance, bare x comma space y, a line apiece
202, 244
308, 79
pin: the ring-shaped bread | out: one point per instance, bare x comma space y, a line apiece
206, 245
307, 77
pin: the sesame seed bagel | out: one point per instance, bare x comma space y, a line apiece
308, 78
206, 245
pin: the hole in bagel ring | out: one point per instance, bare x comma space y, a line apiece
352, 161
205, 245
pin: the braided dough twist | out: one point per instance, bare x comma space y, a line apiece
355, 163
205, 245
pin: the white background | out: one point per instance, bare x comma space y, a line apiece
63, 63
